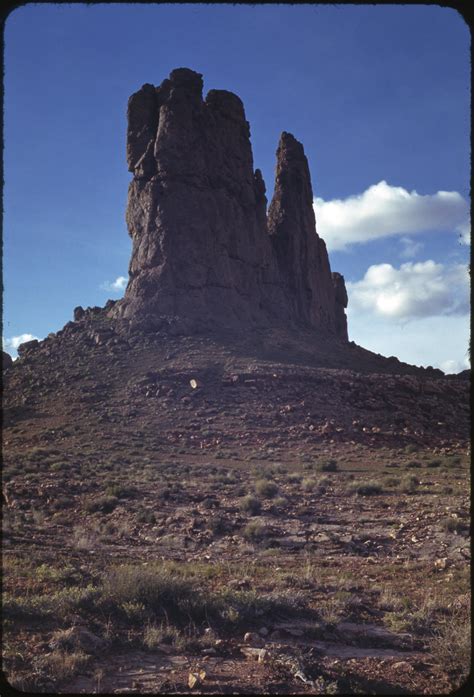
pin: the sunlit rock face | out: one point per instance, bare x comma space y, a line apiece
203, 249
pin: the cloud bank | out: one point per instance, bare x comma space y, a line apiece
415, 290
385, 211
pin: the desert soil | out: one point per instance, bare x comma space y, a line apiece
273, 528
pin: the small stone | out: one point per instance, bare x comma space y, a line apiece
211, 651
403, 666
195, 679
441, 564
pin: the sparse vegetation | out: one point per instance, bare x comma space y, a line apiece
309, 484
266, 488
451, 645
413, 464
304, 563
436, 462
102, 504
254, 531
455, 525
410, 484
329, 466
370, 488
250, 504
61, 665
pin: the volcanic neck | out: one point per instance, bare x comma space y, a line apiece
203, 249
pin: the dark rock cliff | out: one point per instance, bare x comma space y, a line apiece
203, 250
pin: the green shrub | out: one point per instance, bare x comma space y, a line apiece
294, 478
217, 525
254, 531
104, 504
57, 466
392, 481
366, 488
434, 463
280, 502
250, 504
120, 491
154, 635
61, 665
157, 589
454, 525
451, 647
309, 484
329, 466
410, 484
266, 488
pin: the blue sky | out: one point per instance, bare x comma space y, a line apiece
378, 95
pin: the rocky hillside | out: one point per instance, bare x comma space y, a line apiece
242, 303
94, 377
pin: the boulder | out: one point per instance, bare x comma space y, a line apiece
27, 347
78, 313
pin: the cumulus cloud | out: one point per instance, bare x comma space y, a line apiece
14, 341
441, 342
116, 286
385, 211
423, 289
454, 366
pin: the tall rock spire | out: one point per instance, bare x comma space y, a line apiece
197, 218
196, 209
301, 254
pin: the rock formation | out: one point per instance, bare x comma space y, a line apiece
301, 254
203, 250
7, 360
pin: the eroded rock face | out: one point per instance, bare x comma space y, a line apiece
197, 217
7, 360
301, 254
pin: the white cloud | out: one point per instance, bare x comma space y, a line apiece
454, 366
410, 247
14, 341
385, 211
116, 286
423, 289
441, 342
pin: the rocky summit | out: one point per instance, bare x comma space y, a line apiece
203, 247
207, 488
